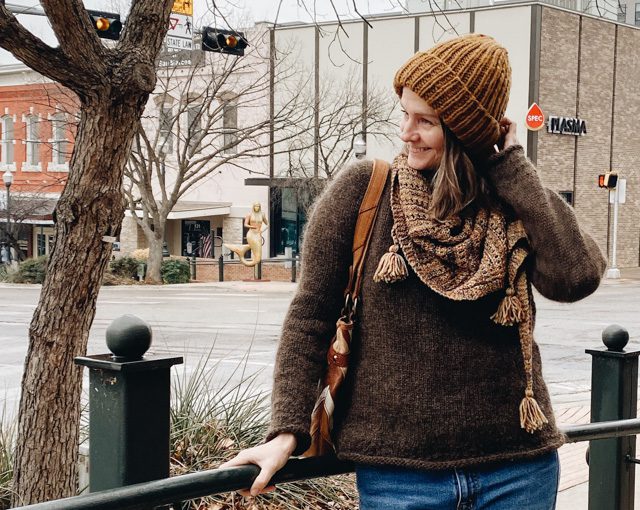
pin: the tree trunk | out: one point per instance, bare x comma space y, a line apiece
91, 207
155, 256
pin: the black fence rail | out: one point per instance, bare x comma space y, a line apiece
123, 474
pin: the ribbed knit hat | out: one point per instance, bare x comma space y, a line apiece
467, 81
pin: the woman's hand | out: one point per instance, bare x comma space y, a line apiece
270, 457
507, 134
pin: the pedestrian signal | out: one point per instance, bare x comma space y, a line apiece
223, 41
608, 180
106, 24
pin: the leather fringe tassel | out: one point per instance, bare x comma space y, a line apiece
391, 268
531, 416
510, 311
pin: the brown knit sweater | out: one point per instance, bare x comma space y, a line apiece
433, 383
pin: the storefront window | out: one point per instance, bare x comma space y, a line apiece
287, 221
196, 238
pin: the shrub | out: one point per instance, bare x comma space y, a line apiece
175, 271
30, 271
125, 267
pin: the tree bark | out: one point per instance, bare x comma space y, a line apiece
113, 86
90, 208
155, 256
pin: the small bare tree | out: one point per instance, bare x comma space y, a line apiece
202, 120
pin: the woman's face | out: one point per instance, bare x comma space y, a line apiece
421, 130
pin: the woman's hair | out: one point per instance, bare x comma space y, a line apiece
456, 182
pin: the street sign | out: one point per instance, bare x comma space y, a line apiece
183, 7
180, 33
622, 192
180, 58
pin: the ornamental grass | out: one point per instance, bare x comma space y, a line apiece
213, 419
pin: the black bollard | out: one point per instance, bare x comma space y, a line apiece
614, 392
220, 268
128, 408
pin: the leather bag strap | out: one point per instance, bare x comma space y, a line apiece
364, 224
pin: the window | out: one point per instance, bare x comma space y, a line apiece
567, 195
230, 126
6, 143
58, 142
637, 19
622, 12
166, 123
33, 143
194, 125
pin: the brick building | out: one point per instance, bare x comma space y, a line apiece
37, 122
572, 64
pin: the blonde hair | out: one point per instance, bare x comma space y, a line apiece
456, 182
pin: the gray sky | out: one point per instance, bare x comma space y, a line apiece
236, 11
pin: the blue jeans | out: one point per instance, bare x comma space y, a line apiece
529, 484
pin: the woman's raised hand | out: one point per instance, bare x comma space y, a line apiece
508, 133
269, 457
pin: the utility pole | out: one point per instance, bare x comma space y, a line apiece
613, 271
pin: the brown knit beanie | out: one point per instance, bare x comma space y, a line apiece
467, 81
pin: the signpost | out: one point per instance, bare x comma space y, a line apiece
616, 196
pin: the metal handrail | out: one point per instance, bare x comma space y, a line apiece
193, 485
215, 481
601, 430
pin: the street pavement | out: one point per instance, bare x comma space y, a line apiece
233, 328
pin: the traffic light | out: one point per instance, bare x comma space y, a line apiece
608, 180
223, 41
106, 24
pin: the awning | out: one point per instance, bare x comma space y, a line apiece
186, 210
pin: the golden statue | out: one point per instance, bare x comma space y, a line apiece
254, 222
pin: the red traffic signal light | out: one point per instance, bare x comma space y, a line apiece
223, 41
608, 180
106, 24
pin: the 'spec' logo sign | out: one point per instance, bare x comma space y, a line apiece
535, 118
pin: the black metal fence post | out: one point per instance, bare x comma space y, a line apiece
614, 394
294, 264
128, 408
192, 267
221, 268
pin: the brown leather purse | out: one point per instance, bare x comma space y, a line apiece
340, 347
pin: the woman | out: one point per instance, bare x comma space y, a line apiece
444, 405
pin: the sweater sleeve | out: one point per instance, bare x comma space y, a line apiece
311, 319
566, 263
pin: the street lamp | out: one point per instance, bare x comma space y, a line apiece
7, 177
360, 147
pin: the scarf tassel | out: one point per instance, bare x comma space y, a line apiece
510, 311
391, 268
531, 416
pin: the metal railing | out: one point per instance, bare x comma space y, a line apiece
294, 261
611, 455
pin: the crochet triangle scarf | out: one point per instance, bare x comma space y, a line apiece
463, 258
